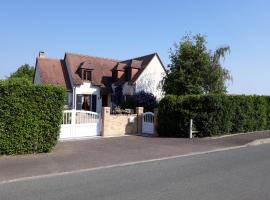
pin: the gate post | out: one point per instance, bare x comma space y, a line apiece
105, 121
139, 112
73, 116
155, 121
73, 121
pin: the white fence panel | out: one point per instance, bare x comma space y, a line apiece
77, 123
148, 123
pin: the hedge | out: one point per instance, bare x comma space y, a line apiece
30, 117
213, 114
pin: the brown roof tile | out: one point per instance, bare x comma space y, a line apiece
101, 74
120, 66
139, 63
53, 71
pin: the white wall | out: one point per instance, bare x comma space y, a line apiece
88, 88
150, 79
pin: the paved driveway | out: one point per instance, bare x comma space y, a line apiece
84, 154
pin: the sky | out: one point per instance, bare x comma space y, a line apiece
123, 29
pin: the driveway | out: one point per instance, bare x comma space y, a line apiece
84, 154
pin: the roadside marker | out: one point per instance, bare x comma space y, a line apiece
191, 129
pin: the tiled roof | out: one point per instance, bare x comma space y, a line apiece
53, 71
101, 74
138, 63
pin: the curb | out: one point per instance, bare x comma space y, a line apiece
259, 141
234, 134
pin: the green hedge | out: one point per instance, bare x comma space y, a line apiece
213, 114
30, 116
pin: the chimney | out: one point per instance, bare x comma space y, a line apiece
41, 54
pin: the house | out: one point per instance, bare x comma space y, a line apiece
91, 81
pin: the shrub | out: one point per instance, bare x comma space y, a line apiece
30, 116
213, 114
117, 96
128, 103
146, 100
140, 99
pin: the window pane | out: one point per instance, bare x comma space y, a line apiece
79, 102
89, 75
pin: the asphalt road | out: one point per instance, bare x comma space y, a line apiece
239, 174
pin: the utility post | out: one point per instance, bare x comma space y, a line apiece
190, 129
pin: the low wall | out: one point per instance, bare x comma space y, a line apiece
120, 125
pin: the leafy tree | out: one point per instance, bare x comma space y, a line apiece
117, 96
25, 71
194, 69
140, 99
146, 100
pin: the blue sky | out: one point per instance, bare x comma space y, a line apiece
125, 29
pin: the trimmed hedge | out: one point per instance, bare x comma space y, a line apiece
213, 114
30, 116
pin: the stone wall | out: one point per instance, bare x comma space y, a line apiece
120, 125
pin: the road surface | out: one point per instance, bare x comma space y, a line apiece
239, 174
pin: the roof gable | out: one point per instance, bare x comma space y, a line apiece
53, 71
67, 72
101, 68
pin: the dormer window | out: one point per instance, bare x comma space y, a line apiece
87, 75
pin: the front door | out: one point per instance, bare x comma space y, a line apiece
104, 100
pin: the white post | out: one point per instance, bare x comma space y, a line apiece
73, 116
190, 128
75, 99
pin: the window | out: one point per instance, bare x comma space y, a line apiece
86, 102
87, 75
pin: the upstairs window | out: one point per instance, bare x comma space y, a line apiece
87, 75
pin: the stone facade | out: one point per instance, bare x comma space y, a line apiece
120, 125
124, 124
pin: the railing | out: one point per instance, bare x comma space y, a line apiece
79, 117
85, 117
67, 117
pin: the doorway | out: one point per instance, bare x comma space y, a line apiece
104, 100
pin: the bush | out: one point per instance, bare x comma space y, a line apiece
213, 114
140, 99
146, 100
30, 116
128, 103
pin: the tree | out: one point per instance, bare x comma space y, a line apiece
140, 99
117, 96
194, 69
146, 100
25, 71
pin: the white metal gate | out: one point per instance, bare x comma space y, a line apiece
79, 123
148, 123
